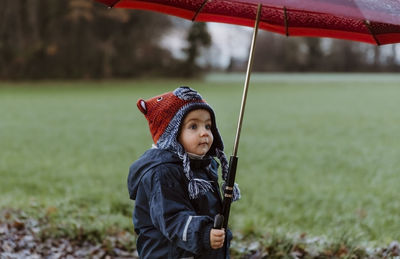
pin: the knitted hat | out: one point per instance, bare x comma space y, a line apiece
165, 114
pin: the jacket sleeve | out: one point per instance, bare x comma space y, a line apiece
173, 214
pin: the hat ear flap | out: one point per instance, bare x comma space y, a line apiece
141, 104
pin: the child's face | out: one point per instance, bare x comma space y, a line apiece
196, 136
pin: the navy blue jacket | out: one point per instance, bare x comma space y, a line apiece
168, 223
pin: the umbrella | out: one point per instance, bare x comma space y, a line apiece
370, 21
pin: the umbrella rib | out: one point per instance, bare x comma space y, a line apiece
368, 25
286, 21
199, 10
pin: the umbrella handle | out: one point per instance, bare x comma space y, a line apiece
218, 221
246, 83
221, 220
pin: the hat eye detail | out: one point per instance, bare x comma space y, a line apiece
159, 99
143, 104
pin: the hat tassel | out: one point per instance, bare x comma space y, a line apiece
236, 191
198, 187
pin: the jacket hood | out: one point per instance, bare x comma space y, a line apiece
151, 158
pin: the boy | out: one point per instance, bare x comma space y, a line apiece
175, 184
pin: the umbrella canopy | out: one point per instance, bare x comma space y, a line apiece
371, 21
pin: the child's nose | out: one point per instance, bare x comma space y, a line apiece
204, 132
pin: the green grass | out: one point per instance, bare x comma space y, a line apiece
319, 157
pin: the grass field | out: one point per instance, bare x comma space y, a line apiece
319, 157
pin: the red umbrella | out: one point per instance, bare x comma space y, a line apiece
371, 21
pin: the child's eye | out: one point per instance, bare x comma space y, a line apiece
193, 126
208, 126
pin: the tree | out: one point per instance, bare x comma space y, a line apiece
198, 37
314, 56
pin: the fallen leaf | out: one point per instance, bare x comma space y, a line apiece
18, 224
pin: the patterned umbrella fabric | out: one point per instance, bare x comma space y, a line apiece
371, 21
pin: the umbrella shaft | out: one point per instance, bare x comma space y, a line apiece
246, 83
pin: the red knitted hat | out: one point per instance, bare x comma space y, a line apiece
160, 110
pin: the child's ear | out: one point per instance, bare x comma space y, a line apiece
141, 104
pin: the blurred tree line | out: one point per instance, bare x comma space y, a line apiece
275, 52
83, 39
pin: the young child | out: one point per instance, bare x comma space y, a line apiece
175, 183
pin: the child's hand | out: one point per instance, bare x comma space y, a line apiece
217, 238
